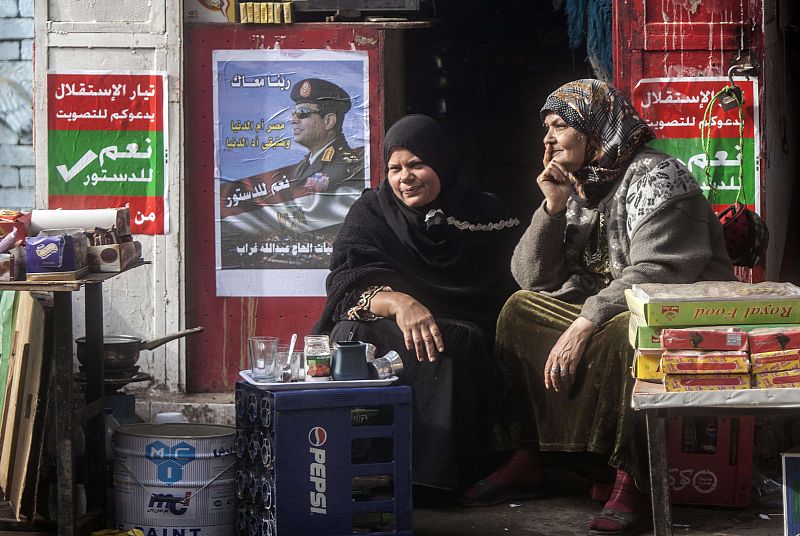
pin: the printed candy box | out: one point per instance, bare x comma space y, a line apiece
774, 339
705, 382
775, 361
697, 362
711, 338
785, 378
646, 337
715, 303
646, 365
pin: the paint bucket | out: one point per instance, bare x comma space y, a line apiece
175, 478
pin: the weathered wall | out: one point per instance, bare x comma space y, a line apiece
16, 74
131, 35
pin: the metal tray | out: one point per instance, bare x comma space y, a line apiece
247, 376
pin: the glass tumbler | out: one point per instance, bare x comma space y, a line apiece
262, 357
287, 367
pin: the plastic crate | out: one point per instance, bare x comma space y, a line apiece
323, 462
710, 460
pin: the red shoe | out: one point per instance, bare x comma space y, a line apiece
626, 512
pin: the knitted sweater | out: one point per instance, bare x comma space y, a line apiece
660, 229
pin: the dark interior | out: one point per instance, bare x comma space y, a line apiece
484, 71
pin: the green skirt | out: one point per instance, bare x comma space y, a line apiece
595, 415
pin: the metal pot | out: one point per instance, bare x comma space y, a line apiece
122, 351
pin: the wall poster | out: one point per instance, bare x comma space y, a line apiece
107, 144
291, 138
675, 107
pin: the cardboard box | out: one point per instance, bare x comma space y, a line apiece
643, 336
57, 255
676, 313
784, 378
646, 365
775, 361
705, 382
698, 362
112, 257
710, 338
791, 491
774, 339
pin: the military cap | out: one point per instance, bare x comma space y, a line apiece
318, 91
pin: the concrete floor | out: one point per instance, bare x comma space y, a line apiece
570, 516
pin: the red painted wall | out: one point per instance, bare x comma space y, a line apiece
687, 38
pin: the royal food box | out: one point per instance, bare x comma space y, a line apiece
770, 380
774, 339
699, 362
715, 303
708, 338
705, 382
56, 255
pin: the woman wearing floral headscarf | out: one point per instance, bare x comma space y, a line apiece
616, 213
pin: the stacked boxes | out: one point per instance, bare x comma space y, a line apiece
705, 358
698, 334
323, 461
265, 12
775, 354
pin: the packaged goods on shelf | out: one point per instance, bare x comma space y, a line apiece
774, 338
775, 361
698, 362
784, 378
706, 338
647, 365
715, 303
56, 255
706, 382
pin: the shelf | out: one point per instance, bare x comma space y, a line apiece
66, 286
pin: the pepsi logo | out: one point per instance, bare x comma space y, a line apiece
317, 436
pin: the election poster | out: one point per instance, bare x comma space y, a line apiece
291, 134
107, 144
675, 108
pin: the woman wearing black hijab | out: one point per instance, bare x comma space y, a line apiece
421, 266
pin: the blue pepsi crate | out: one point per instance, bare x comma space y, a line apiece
324, 462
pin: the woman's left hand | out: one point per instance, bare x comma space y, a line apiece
562, 363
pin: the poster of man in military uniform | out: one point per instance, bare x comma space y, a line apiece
291, 158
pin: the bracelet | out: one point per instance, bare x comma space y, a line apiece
360, 311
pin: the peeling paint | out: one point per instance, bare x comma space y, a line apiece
690, 5
362, 40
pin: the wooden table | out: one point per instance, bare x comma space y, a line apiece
92, 414
658, 405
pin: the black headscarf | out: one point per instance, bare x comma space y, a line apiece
462, 215
453, 255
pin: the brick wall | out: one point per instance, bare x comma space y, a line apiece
17, 177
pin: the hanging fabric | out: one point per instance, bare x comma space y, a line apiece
590, 20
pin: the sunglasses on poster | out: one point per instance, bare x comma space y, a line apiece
302, 113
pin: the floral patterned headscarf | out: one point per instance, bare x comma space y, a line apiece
613, 129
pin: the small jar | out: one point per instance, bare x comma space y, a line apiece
318, 358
